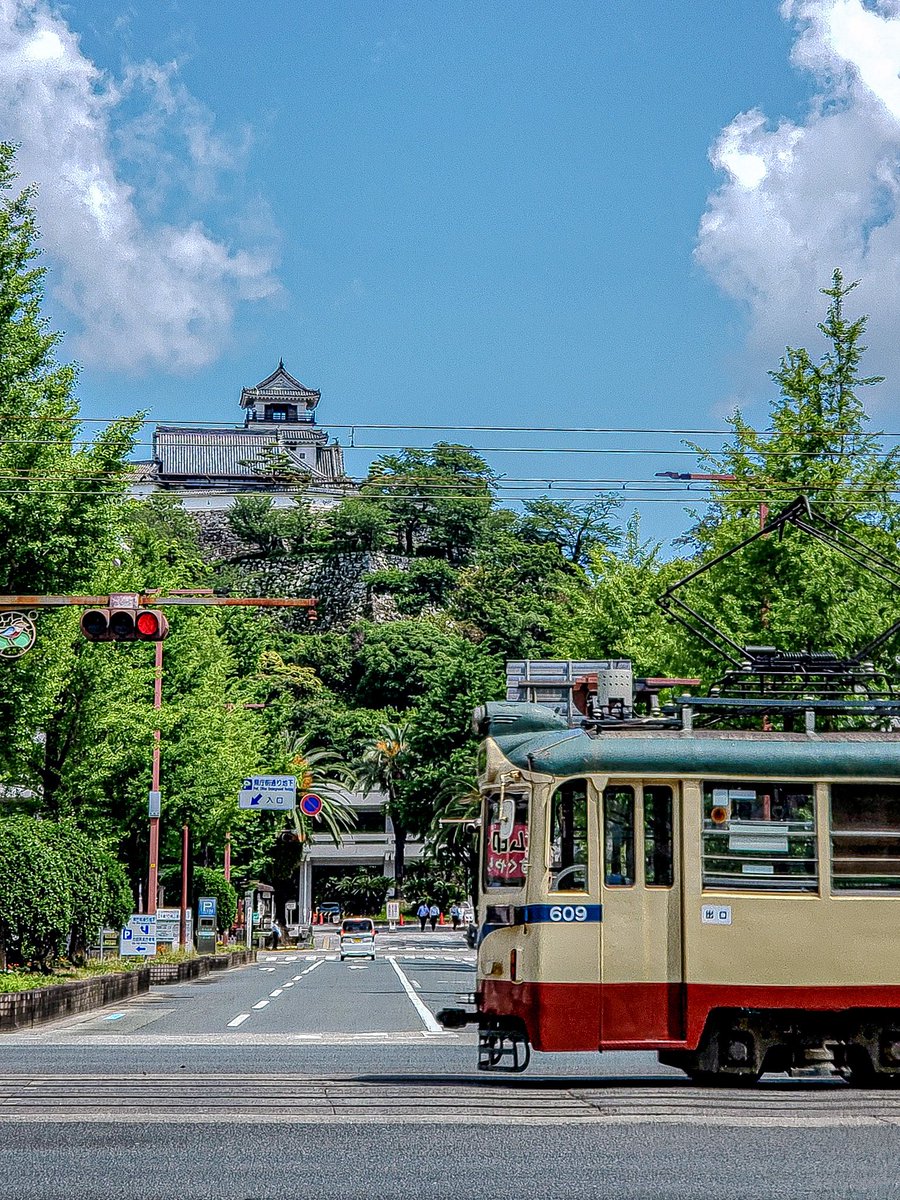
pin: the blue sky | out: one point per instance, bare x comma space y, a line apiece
567, 213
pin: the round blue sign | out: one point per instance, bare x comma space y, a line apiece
311, 805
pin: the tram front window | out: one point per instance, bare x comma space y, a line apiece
505, 840
568, 838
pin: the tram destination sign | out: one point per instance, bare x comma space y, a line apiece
269, 792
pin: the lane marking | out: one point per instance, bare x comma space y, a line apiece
425, 1013
114, 1017
277, 992
416, 984
310, 957
238, 1020
267, 968
290, 983
313, 967
296, 979
357, 966
262, 1004
331, 958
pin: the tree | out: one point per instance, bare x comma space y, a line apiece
577, 529
384, 766
209, 882
791, 591
59, 496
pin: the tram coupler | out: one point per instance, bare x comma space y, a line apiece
502, 1048
456, 1018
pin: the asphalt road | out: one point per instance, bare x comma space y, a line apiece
302, 1076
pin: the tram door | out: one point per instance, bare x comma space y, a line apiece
641, 958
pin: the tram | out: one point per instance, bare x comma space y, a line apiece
729, 899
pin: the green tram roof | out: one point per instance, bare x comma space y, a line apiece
534, 738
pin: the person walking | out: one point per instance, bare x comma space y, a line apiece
433, 913
455, 915
276, 934
422, 914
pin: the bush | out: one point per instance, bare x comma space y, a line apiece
209, 882
57, 889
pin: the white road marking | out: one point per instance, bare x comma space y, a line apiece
357, 966
310, 957
290, 983
425, 1013
267, 968
262, 1004
313, 967
277, 992
331, 958
291, 958
239, 1020
416, 984
297, 978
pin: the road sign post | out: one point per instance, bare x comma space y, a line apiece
269, 793
393, 913
138, 938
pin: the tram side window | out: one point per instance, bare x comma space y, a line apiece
658, 848
568, 838
618, 836
759, 836
865, 837
505, 840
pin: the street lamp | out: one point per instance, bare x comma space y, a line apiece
715, 478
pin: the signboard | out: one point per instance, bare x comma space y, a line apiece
393, 910
771, 838
139, 936
269, 792
311, 805
715, 914
206, 907
167, 926
153, 804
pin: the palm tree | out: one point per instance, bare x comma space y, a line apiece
322, 772
457, 818
385, 764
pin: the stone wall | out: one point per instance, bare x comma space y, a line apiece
337, 581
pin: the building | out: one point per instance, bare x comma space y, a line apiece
278, 449
369, 846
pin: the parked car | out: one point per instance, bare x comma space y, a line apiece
357, 938
329, 911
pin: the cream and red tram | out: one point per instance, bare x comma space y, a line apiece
729, 899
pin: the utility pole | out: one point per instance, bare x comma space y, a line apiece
154, 805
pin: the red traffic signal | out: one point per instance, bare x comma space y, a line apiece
124, 625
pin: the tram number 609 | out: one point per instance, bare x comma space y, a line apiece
568, 912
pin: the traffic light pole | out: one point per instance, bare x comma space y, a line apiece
153, 872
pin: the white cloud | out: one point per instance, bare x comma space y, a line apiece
800, 198
109, 157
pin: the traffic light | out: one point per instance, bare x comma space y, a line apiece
124, 625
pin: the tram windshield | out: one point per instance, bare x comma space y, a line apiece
505, 839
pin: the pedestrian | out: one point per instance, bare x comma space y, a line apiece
422, 914
455, 915
433, 913
276, 934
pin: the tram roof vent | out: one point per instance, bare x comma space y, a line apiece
574, 688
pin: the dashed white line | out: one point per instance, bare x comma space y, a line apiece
425, 1013
416, 984
290, 983
262, 1004
277, 992
313, 967
238, 1020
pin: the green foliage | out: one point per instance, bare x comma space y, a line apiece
273, 532
437, 880
425, 582
576, 529
363, 893
57, 888
210, 882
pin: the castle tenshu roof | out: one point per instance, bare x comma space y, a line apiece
185, 456
282, 388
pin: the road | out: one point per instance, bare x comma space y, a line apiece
302, 1076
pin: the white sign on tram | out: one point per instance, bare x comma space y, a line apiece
278, 792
